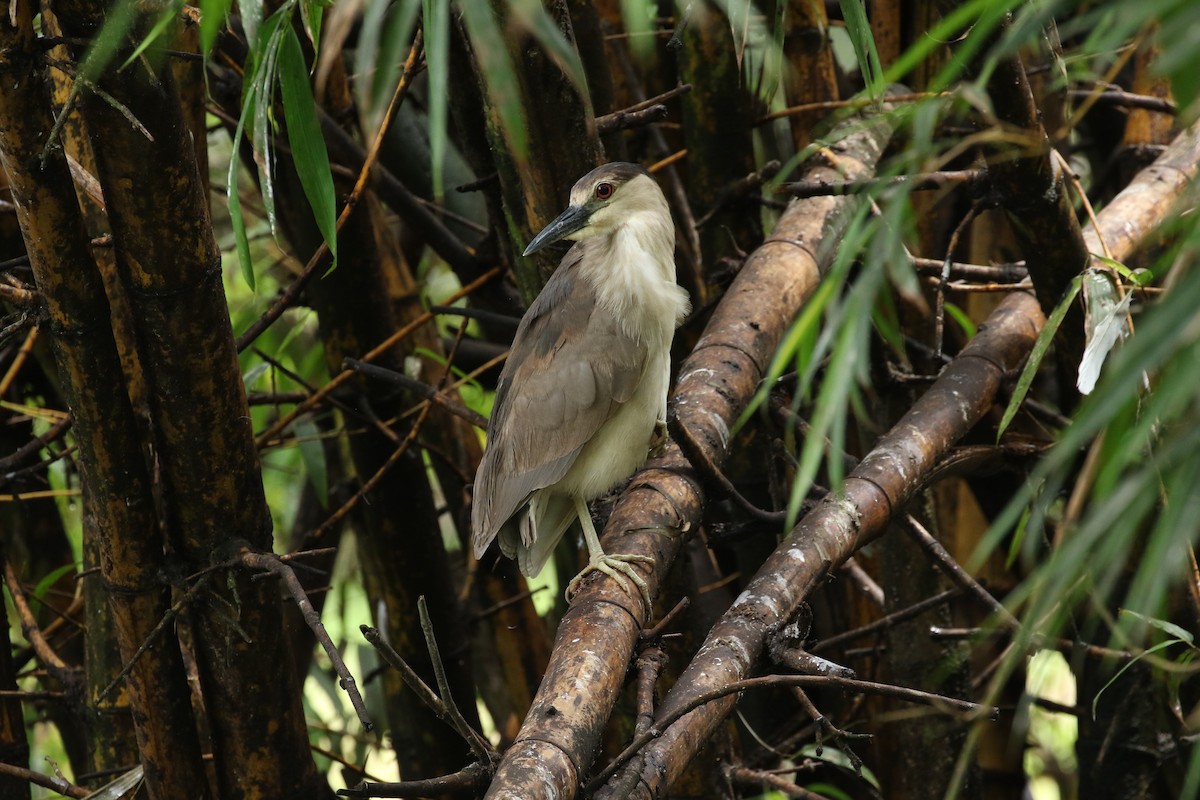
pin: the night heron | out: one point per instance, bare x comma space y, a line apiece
583, 394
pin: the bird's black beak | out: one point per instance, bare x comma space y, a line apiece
566, 223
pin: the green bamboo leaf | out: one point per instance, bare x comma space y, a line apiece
304, 136
50, 579
384, 38
234, 202
960, 317
311, 13
1037, 354
213, 14
1169, 628
252, 18
861, 36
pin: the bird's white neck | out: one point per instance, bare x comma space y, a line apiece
638, 281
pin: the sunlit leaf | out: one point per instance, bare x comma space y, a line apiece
1104, 323
304, 136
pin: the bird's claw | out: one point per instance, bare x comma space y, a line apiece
618, 567
658, 439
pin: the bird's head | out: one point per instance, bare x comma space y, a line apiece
605, 198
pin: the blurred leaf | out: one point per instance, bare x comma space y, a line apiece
637, 18
312, 452
1169, 628
532, 14
311, 13
384, 37
499, 76
252, 17
1029, 371
961, 319
436, 23
212, 18
50, 579
166, 18
304, 136
117, 23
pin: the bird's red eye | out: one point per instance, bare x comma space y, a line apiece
604, 191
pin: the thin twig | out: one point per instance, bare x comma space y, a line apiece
267, 436
59, 784
954, 571
272, 564
420, 688
471, 779
919, 182
883, 623
483, 751
419, 388
938, 701
167, 618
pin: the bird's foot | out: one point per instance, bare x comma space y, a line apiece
618, 566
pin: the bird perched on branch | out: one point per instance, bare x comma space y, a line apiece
584, 390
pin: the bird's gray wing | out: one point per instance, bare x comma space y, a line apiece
570, 368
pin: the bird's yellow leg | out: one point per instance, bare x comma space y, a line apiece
616, 566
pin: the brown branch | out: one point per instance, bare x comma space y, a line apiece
482, 749
59, 785
954, 571
636, 114
969, 178
469, 780
1122, 99
52, 434
766, 780
1000, 273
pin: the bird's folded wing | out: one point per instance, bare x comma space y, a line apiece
569, 370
